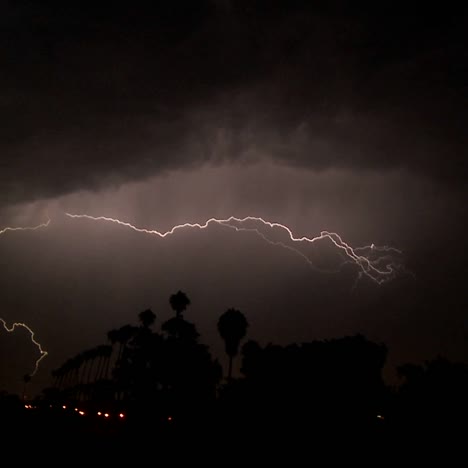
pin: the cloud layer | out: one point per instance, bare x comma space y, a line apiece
92, 96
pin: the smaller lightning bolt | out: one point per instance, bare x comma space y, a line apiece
43, 353
25, 228
15, 325
378, 248
284, 246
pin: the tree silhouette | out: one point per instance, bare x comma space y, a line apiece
103, 354
113, 336
179, 302
178, 328
124, 334
147, 318
26, 380
232, 327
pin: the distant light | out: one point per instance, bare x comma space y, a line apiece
121, 415
64, 407
26, 406
50, 406
99, 413
76, 409
81, 413
379, 416
106, 415
169, 418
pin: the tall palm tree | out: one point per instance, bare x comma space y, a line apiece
56, 376
179, 302
101, 353
77, 362
178, 328
67, 369
124, 335
121, 336
232, 327
26, 380
59, 373
106, 352
147, 318
113, 336
90, 356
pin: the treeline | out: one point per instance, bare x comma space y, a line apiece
167, 371
330, 392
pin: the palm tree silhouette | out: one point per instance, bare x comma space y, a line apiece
147, 318
179, 328
179, 302
103, 353
123, 336
26, 380
232, 327
107, 352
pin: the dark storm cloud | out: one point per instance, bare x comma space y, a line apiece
94, 95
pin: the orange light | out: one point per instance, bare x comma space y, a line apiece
99, 413
106, 415
26, 406
121, 415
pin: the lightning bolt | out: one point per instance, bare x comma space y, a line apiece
378, 263
43, 353
26, 228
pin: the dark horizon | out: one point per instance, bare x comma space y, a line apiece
157, 385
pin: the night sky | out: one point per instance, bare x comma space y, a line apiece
341, 116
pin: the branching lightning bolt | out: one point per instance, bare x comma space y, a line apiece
11, 329
43, 353
378, 263
375, 262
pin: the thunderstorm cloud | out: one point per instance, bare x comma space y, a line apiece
92, 96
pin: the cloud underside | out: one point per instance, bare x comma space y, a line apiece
91, 100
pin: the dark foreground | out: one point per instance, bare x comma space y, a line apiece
63, 436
